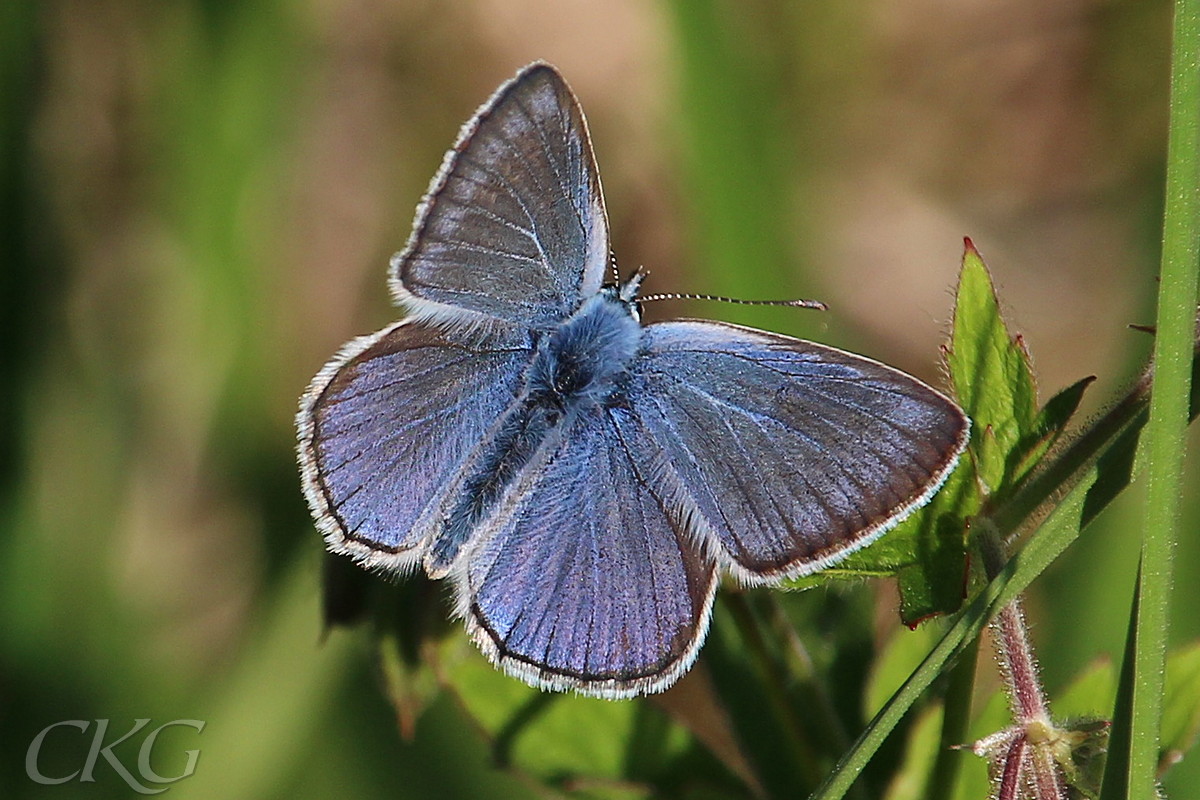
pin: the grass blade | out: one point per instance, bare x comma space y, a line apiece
1165, 444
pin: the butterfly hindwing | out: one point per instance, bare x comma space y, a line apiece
388, 423
586, 583
513, 227
789, 454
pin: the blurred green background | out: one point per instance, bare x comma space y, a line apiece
198, 202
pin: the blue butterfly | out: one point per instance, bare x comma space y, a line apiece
583, 479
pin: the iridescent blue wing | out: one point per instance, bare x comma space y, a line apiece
388, 423
586, 583
785, 454
513, 227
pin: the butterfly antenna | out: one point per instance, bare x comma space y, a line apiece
612, 263
815, 304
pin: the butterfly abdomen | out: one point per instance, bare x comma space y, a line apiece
577, 366
513, 443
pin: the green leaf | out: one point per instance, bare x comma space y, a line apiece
1094, 482
903, 652
926, 553
1048, 426
990, 371
993, 382
1090, 693
911, 780
593, 747
1181, 704
935, 582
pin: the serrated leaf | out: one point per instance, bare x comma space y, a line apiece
934, 581
989, 456
990, 369
1049, 424
883, 559
993, 382
1091, 488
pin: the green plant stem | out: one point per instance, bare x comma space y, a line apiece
1165, 442
956, 721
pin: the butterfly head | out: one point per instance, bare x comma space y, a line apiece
626, 293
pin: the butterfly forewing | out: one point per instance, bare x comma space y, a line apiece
587, 583
513, 227
387, 424
790, 454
